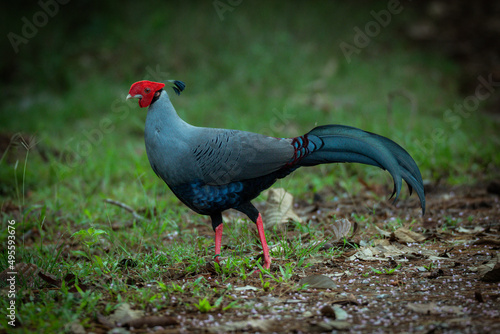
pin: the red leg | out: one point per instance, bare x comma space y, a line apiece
262, 237
218, 242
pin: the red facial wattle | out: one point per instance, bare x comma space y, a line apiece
144, 91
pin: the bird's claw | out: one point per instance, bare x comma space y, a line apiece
217, 258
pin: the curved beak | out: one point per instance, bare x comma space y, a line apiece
138, 96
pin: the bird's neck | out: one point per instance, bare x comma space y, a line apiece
162, 115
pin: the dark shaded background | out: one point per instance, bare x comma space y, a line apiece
466, 31
87, 32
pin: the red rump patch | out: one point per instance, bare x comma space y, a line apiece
301, 146
147, 90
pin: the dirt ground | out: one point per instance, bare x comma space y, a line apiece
439, 273
447, 278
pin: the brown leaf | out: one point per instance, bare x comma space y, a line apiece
397, 283
403, 234
434, 274
348, 300
51, 279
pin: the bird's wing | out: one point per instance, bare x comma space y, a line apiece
225, 156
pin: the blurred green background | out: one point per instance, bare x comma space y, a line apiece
272, 67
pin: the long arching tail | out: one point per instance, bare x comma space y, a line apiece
339, 143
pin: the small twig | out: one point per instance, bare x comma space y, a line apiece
126, 207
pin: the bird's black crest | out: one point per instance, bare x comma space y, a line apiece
178, 86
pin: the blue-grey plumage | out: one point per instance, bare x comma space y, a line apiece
180, 153
212, 170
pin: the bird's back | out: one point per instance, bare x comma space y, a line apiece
210, 167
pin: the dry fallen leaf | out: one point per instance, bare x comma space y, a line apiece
124, 314
246, 287
477, 229
279, 208
492, 276
340, 313
393, 251
346, 300
104, 320
74, 328
490, 272
483, 269
382, 232
403, 234
51, 279
341, 228
367, 254
318, 282
381, 242
433, 308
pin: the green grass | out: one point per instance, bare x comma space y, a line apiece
278, 72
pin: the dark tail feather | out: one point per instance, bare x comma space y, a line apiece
338, 143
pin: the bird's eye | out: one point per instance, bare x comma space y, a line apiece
147, 90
